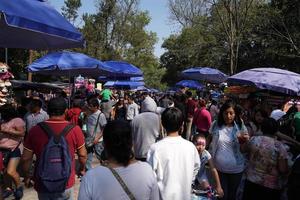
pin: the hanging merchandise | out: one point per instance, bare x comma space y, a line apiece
79, 82
91, 86
5, 84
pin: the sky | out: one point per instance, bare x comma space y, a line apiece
158, 10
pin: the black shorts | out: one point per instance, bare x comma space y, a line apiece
7, 155
15, 153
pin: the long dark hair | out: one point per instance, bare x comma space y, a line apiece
228, 104
8, 112
117, 140
263, 113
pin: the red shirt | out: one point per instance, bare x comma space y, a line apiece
37, 139
191, 106
202, 119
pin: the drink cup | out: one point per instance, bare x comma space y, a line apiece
243, 137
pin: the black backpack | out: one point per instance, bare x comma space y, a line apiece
54, 166
286, 124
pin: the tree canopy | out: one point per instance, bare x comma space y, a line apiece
231, 35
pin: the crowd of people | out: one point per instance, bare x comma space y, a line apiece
150, 146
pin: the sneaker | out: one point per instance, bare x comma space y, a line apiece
18, 193
6, 193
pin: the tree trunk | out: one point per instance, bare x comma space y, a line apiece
232, 55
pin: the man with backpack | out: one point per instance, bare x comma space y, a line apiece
54, 142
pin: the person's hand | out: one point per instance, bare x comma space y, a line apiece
28, 182
243, 137
96, 141
220, 192
81, 173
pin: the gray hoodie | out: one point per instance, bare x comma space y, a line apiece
145, 128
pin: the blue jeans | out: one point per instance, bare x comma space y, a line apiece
66, 195
88, 164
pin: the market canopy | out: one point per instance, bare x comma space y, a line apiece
34, 24
190, 84
122, 69
114, 78
204, 74
27, 85
273, 79
124, 84
69, 64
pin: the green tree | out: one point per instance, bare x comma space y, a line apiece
70, 9
117, 32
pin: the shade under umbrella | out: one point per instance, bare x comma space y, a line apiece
69, 64
204, 74
33, 24
190, 84
274, 79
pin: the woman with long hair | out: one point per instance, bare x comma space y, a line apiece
102, 183
226, 134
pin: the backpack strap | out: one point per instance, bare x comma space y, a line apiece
46, 128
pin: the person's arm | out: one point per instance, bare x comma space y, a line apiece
288, 139
154, 162
244, 147
209, 121
216, 178
136, 110
102, 122
26, 161
16, 131
282, 166
197, 164
82, 157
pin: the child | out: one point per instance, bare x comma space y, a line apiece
205, 157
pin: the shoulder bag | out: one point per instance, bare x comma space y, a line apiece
122, 183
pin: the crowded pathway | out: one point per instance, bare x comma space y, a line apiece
192, 142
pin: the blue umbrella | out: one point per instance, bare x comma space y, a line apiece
122, 69
124, 84
274, 79
143, 88
204, 74
114, 78
33, 24
68, 63
190, 84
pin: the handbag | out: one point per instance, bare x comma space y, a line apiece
98, 149
89, 141
122, 183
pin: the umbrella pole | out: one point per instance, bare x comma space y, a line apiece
29, 76
6, 56
70, 90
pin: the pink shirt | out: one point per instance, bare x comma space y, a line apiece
202, 119
8, 141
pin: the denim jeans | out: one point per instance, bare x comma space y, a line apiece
66, 195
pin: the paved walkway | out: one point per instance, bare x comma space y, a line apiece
30, 193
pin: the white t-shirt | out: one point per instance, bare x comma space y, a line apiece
100, 184
224, 157
175, 162
132, 111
